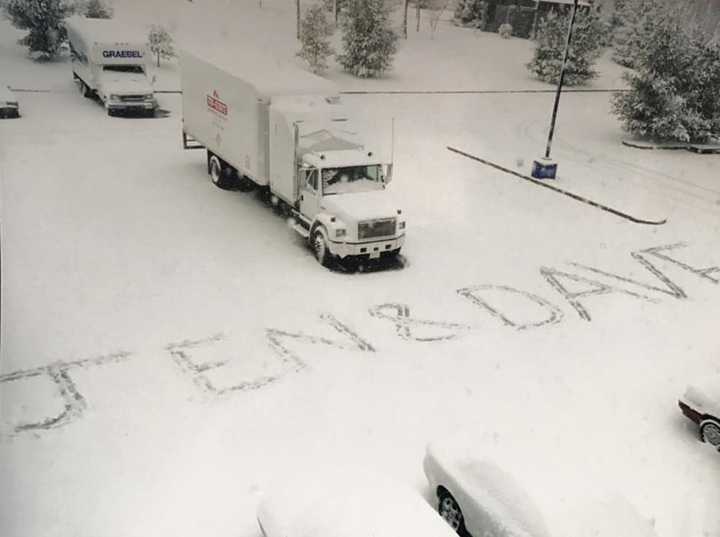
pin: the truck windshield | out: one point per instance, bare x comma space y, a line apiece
138, 69
352, 179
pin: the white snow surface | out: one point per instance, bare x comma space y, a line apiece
340, 501
114, 240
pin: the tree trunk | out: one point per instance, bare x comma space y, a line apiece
405, 18
417, 15
335, 11
158, 58
297, 10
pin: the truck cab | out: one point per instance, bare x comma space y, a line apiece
125, 87
345, 209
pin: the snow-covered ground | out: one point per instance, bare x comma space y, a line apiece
195, 351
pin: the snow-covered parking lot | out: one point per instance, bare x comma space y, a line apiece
169, 348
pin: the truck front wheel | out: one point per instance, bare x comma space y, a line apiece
320, 248
220, 173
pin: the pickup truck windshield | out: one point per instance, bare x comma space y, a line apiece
352, 179
137, 69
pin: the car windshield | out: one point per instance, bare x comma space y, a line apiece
351, 179
137, 69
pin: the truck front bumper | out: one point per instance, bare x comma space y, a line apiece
370, 250
132, 107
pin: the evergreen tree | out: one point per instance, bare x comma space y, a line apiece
633, 20
584, 50
369, 43
471, 13
315, 46
97, 9
44, 21
160, 43
673, 91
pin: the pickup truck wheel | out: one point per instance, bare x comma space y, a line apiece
450, 512
320, 248
710, 432
220, 173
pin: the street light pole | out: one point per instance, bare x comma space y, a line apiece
548, 169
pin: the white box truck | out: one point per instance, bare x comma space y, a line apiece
110, 61
286, 131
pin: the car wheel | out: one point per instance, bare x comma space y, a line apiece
710, 432
450, 511
320, 248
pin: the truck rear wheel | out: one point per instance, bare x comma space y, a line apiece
220, 173
85, 91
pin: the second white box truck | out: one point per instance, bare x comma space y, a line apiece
287, 132
110, 61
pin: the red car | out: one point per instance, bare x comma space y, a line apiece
701, 404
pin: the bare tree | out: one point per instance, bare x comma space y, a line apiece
297, 24
437, 8
405, 17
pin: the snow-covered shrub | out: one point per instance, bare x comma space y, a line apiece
160, 42
673, 93
44, 21
97, 9
633, 20
584, 49
369, 42
471, 13
505, 30
315, 32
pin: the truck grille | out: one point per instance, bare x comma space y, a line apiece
132, 98
377, 228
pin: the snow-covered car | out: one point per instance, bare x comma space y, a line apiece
9, 106
476, 497
347, 504
701, 404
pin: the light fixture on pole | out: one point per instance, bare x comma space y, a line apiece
545, 167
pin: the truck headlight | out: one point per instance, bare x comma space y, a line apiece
341, 232
149, 97
401, 225
114, 97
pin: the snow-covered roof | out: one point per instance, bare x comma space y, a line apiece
269, 76
704, 395
106, 30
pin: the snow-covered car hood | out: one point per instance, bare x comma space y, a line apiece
125, 84
704, 395
333, 502
358, 206
6, 94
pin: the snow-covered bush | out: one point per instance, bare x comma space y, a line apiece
44, 21
471, 13
369, 42
632, 22
315, 32
505, 30
97, 9
673, 93
160, 42
584, 49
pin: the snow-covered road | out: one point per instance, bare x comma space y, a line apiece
194, 350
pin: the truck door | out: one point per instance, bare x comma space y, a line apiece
309, 193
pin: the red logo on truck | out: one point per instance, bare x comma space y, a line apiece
214, 103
